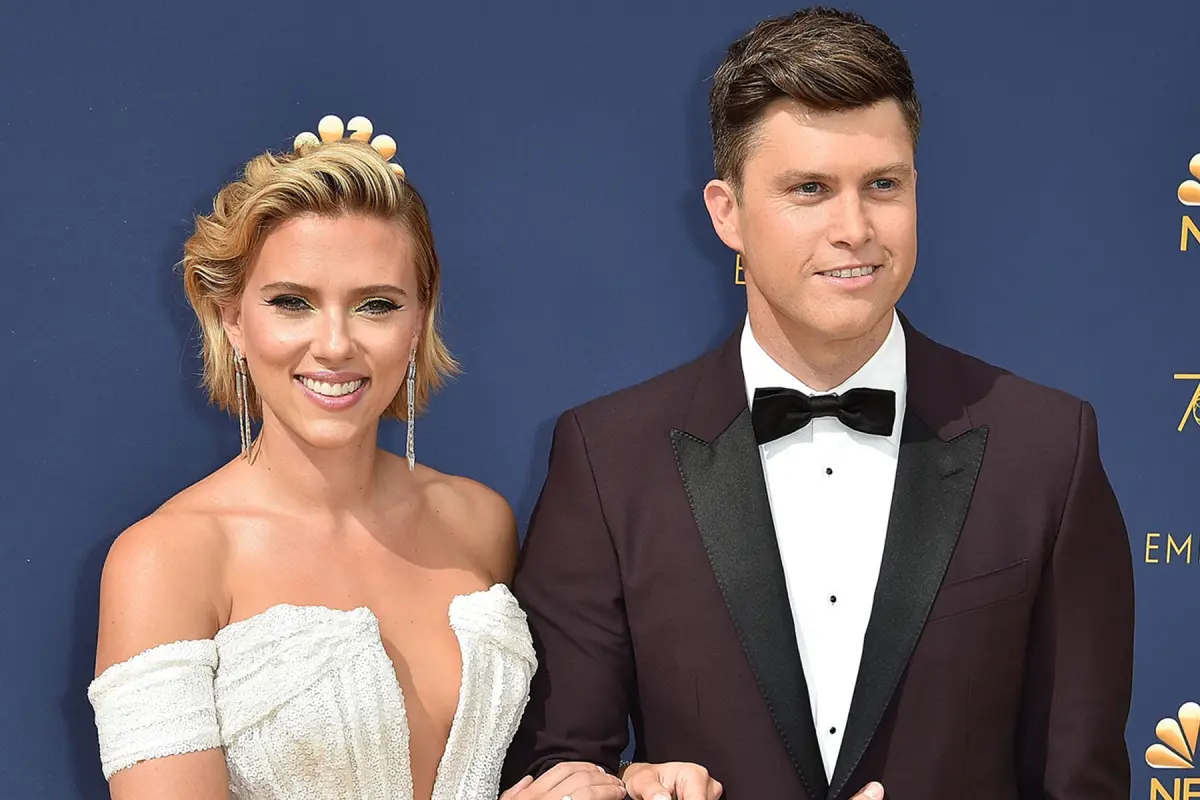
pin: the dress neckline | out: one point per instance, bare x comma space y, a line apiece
497, 589
278, 608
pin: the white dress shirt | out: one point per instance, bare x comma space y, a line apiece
830, 489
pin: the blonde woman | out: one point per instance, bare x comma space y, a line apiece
318, 618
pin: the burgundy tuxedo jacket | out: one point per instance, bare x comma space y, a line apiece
997, 662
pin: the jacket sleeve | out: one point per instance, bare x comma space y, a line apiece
568, 581
1079, 664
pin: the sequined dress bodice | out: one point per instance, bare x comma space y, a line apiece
304, 700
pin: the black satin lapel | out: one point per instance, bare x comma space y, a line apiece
728, 495
934, 484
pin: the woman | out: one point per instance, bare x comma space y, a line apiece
318, 618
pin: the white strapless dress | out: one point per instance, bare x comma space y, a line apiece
305, 703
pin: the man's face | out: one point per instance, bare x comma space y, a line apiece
826, 220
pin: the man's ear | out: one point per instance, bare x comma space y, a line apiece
722, 203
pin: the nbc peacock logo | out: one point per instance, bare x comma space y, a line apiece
1176, 745
1175, 749
1189, 191
1189, 194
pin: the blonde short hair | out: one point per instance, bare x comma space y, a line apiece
331, 179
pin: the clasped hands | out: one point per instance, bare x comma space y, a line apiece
578, 780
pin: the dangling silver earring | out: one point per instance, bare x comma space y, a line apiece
411, 391
241, 387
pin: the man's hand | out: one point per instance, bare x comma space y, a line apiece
570, 780
872, 791
673, 781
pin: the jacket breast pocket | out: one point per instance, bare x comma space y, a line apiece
980, 591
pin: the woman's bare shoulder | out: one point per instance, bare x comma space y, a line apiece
478, 517
163, 579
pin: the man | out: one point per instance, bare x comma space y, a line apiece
832, 553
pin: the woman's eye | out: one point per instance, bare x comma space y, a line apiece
289, 302
378, 307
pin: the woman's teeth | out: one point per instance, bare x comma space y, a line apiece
331, 389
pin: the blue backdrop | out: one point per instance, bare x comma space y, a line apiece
562, 148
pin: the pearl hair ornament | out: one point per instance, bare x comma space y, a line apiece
332, 129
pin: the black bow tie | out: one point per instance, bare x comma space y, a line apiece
778, 412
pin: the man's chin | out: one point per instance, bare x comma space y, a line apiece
845, 321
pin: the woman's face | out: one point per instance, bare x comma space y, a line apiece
327, 323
